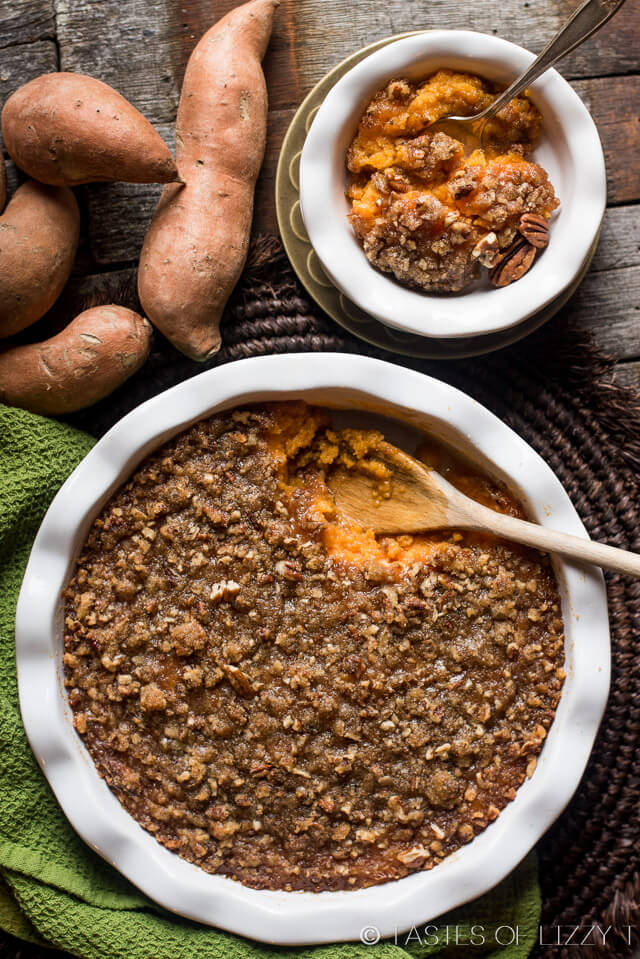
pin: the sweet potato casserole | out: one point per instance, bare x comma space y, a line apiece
280, 697
431, 215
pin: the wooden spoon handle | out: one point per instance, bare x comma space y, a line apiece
541, 537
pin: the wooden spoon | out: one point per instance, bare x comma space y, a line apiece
422, 500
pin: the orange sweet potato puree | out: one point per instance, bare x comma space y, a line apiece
307, 450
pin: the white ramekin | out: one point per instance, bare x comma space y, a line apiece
351, 383
570, 151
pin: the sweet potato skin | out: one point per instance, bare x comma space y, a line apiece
197, 244
3, 184
93, 355
65, 129
39, 233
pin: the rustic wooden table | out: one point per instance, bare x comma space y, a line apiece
141, 48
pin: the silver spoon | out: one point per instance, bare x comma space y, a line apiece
587, 20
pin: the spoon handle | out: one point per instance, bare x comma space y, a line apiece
587, 19
549, 540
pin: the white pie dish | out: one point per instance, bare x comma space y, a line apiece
345, 382
570, 151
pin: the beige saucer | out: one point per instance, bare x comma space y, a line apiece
314, 279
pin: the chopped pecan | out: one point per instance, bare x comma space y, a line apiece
238, 681
289, 569
513, 264
487, 250
464, 182
535, 229
224, 590
261, 769
399, 90
413, 856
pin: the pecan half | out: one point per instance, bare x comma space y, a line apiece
514, 263
535, 229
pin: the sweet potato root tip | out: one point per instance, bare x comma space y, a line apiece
65, 129
196, 247
90, 358
40, 230
212, 352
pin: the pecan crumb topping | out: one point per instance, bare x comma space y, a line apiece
426, 212
282, 698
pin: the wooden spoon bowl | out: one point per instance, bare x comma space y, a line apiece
416, 499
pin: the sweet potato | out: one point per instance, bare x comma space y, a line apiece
3, 184
65, 129
197, 244
39, 233
93, 355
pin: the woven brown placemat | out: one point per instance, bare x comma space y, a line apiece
557, 392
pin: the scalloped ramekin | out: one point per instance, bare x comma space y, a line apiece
570, 151
343, 382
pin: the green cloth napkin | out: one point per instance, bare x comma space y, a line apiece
53, 889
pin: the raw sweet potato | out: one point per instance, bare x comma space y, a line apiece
3, 184
197, 244
93, 355
39, 233
65, 129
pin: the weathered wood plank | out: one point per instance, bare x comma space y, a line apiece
119, 213
119, 216
20, 64
141, 47
619, 245
613, 103
608, 304
25, 21
135, 46
264, 220
311, 36
614, 49
301, 53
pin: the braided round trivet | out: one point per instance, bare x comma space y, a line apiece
556, 391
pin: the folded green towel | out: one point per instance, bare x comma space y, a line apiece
53, 889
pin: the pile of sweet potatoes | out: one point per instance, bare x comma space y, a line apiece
63, 130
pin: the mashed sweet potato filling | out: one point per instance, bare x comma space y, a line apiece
309, 449
420, 207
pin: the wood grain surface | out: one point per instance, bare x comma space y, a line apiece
141, 48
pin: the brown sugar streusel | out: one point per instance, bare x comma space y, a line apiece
424, 209
282, 698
